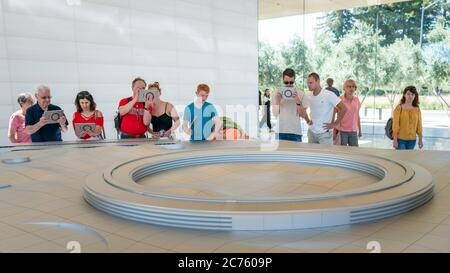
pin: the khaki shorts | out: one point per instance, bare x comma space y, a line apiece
323, 138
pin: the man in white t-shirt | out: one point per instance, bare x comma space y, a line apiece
322, 104
289, 111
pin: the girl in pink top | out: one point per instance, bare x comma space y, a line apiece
16, 131
350, 126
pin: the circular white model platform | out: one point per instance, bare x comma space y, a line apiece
261, 180
248, 189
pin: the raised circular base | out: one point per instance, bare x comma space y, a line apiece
241, 181
402, 187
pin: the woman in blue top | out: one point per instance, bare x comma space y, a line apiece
200, 119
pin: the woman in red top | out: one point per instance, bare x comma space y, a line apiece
86, 113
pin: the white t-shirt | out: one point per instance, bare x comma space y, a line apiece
321, 109
289, 121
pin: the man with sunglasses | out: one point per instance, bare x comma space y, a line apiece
36, 122
289, 111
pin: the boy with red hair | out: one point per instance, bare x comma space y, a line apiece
200, 119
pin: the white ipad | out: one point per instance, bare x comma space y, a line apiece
143, 95
53, 116
84, 127
287, 92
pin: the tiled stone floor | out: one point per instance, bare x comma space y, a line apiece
49, 189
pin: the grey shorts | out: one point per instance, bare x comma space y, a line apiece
349, 139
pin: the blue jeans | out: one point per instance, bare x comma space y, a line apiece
406, 144
289, 137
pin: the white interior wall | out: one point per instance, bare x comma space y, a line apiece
101, 45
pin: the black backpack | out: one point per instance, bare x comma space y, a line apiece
388, 128
118, 120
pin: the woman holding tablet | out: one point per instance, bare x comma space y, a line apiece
85, 115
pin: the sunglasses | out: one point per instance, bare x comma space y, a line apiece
46, 97
286, 82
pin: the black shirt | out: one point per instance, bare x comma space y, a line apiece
161, 123
334, 90
49, 132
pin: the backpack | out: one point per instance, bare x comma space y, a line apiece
228, 123
118, 120
232, 130
388, 128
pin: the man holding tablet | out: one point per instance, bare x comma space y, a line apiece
287, 107
37, 121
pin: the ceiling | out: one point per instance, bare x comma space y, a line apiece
280, 8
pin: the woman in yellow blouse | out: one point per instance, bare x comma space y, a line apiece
407, 121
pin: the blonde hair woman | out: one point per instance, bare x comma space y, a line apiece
350, 125
164, 118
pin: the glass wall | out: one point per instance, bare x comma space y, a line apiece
383, 47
